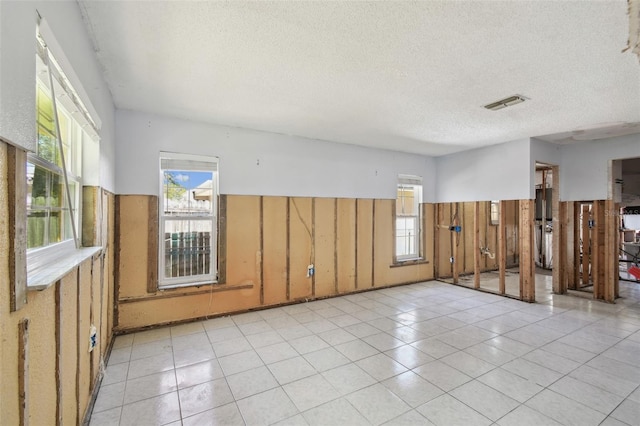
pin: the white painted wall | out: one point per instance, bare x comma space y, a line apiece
17, 73
584, 169
497, 172
261, 163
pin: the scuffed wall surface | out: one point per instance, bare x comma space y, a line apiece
270, 241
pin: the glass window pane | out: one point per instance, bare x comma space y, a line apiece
187, 247
55, 226
188, 193
38, 187
56, 196
47, 147
36, 226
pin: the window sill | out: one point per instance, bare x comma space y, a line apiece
45, 276
409, 262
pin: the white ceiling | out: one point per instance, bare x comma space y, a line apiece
408, 76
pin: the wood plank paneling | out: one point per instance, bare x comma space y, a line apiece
132, 228
243, 240
300, 247
69, 333
325, 246
346, 245
364, 244
274, 254
383, 241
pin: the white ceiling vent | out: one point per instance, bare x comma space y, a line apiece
503, 103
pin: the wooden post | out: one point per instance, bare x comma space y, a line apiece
598, 250
152, 244
586, 245
436, 240
455, 237
17, 216
502, 246
23, 371
611, 250
573, 245
476, 245
527, 263
559, 236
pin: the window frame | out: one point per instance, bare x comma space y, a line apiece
415, 183
165, 283
72, 139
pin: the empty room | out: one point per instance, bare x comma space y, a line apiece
319, 212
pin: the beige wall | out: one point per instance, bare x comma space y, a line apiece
59, 320
351, 246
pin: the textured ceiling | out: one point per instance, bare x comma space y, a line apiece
409, 76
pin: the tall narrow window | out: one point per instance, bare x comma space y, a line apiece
495, 212
408, 218
54, 170
188, 231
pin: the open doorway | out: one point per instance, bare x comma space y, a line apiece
546, 228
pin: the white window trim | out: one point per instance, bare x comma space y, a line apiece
192, 280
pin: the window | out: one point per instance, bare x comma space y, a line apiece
408, 218
495, 212
188, 227
54, 170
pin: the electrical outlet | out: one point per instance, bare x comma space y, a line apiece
310, 271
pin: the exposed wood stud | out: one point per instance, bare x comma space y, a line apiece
288, 248
78, 339
116, 260
373, 243
261, 250
502, 247
355, 278
527, 264
586, 245
558, 243
335, 245
58, 337
575, 275
222, 239
23, 371
611, 250
436, 241
17, 217
455, 240
152, 244
476, 245
312, 244
598, 250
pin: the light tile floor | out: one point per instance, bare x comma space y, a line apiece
423, 354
